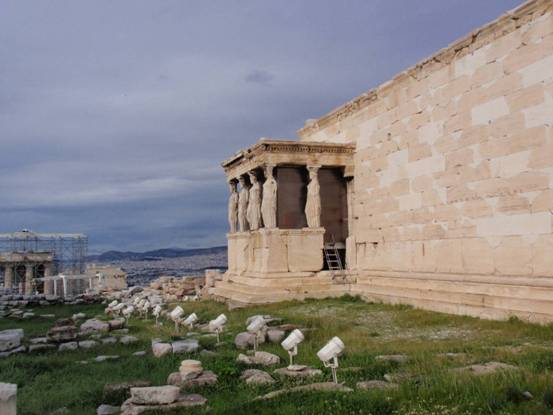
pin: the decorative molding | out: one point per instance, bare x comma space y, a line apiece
260, 153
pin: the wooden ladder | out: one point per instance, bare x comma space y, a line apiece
332, 257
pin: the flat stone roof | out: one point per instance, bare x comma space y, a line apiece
288, 152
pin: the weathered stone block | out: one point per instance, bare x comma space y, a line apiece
8, 399
305, 250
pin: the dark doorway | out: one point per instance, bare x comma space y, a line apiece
19, 277
39, 273
334, 205
291, 197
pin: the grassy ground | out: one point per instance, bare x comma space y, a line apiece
52, 380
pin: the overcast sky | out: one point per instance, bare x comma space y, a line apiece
115, 115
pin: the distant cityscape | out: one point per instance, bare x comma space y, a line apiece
141, 268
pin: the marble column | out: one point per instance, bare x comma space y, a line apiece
48, 285
233, 207
313, 204
29, 274
8, 276
269, 202
243, 196
254, 203
350, 201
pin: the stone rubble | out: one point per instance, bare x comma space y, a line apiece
192, 374
8, 399
117, 393
376, 384
259, 358
103, 358
88, 344
94, 326
10, 339
257, 377
298, 371
16, 305
40, 347
275, 335
155, 395
161, 349
485, 368
108, 410
177, 288
128, 339
182, 402
68, 346
322, 387
398, 358
185, 346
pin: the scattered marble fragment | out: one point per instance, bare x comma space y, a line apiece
257, 377
323, 387
128, 339
259, 358
376, 384
298, 371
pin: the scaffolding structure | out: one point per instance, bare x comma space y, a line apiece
69, 250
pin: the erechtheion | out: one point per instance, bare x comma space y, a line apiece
435, 189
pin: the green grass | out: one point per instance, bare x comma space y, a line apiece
52, 380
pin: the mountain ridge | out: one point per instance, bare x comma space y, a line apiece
115, 255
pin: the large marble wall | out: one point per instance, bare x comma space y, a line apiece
453, 180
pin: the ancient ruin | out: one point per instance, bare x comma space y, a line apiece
434, 189
52, 265
30, 260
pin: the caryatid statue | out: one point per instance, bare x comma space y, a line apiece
233, 207
269, 202
254, 204
243, 197
313, 204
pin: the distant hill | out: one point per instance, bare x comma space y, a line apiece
111, 256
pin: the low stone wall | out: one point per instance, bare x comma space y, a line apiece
276, 251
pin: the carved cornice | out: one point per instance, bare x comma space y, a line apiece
280, 151
478, 38
18, 257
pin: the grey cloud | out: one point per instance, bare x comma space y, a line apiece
260, 76
114, 116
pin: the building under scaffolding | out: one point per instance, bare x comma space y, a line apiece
29, 261
68, 251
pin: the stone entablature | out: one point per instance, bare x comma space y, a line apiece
288, 152
19, 257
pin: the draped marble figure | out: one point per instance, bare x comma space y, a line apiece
243, 197
254, 204
233, 207
313, 204
269, 202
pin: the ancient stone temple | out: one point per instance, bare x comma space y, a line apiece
31, 262
435, 189
23, 269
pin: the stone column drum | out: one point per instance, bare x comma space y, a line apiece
8, 399
8, 276
28, 279
48, 285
